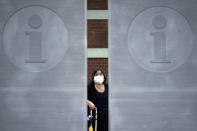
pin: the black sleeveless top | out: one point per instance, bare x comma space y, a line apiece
99, 99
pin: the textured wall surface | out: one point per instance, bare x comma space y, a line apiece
97, 34
153, 65
97, 4
97, 38
42, 86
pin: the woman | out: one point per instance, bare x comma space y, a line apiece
98, 98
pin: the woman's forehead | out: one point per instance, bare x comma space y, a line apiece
98, 72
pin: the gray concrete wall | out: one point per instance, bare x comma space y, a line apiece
153, 65
42, 65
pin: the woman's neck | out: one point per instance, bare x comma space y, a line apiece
99, 85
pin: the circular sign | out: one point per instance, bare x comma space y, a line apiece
35, 39
160, 39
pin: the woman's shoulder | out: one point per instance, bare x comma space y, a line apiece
90, 86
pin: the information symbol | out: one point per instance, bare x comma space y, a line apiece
159, 22
35, 21
35, 39
160, 39
159, 43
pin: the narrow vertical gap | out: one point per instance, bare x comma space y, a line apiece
98, 31
97, 64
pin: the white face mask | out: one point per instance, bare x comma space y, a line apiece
99, 79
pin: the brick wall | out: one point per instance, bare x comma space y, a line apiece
97, 37
97, 4
97, 34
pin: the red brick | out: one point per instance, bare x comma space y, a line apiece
97, 34
97, 4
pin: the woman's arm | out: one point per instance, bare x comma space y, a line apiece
91, 105
91, 98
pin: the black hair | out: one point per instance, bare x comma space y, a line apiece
94, 73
